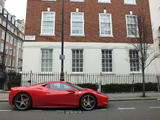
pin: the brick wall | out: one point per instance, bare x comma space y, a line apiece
91, 9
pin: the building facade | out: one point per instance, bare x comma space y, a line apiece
98, 36
11, 42
155, 20
2, 3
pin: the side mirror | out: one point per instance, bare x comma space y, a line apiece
71, 91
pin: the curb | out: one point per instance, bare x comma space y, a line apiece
133, 99
4, 100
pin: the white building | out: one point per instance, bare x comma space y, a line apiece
155, 20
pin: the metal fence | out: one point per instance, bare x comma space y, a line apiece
30, 78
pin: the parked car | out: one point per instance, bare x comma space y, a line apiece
56, 94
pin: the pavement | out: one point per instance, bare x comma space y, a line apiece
112, 96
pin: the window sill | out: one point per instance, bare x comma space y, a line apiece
77, 35
76, 1
105, 36
46, 35
132, 36
108, 73
130, 4
105, 2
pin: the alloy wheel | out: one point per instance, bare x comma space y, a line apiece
88, 102
22, 101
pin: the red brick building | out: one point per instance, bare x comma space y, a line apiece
97, 35
11, 41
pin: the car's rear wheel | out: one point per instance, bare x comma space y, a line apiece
22, 101
88, 102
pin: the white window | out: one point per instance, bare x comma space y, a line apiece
106, 60
134, 60
77, 0
1, 9
104, 1
13, 63
15, 42
1, 47
4, 23
105, 24
5, 12
77, 60
46, 61
77, 24
7, 37
48, 23
132, 2
6, 49
14, 52
132, 26
3, 34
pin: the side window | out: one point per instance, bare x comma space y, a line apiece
58, 86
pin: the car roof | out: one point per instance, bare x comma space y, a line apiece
55, 82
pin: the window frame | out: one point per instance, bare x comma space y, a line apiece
42, 18
134, 2
137, 29
111, 29
79, 62
132, 59
71, 25
103, 58
44, 68
102, 1
77, 0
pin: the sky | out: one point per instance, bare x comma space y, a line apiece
17, 8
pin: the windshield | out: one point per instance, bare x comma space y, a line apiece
76, 86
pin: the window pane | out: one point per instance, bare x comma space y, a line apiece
104, 1
132, 26
77, 60
46, 62
105, 24
130, 1
134, 60
48, 23
77, 23
106, 60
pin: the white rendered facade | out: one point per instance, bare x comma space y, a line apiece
155, 21
92, 56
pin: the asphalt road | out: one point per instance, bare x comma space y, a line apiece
117, 110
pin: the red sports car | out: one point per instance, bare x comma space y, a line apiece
56, 94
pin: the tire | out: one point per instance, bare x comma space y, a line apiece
88, 102
22, 101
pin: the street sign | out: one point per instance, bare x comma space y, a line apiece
62, 57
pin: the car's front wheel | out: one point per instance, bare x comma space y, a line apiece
22, 101
88, 102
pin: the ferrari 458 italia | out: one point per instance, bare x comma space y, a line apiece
56, 94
